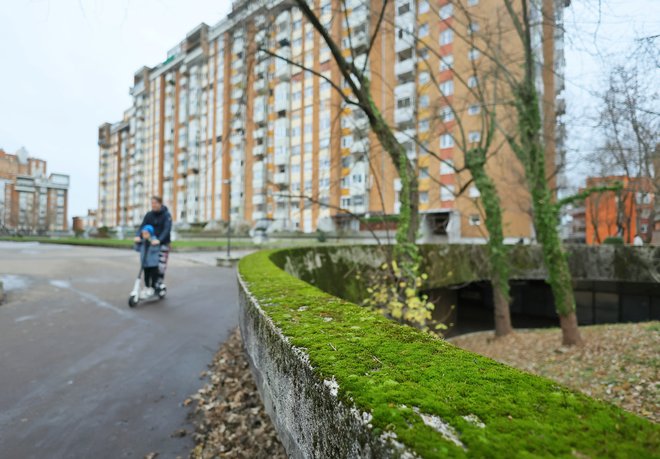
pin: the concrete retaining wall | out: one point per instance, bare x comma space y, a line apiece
310, 419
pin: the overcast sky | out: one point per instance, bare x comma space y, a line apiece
67, 65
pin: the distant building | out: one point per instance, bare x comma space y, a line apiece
85, 222
623, 213
575, 226
30, 200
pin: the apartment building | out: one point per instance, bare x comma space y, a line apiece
625, 213
242, 120
30, 200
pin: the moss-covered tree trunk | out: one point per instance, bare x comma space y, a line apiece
546, 212
475, 161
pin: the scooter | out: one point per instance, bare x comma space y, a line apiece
135, 298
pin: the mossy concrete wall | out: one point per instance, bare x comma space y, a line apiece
335, 269
341, 381
310, 420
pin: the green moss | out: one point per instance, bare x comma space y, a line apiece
382, 366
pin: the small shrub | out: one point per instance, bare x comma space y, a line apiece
613, 240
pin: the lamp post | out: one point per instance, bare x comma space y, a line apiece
228, 182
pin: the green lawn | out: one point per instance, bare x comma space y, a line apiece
120, 243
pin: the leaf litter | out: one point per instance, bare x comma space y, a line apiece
619, 363
229, 416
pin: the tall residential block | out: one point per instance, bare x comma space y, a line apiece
31, 201
243, 121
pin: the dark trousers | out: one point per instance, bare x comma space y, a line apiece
151, 276
162, 265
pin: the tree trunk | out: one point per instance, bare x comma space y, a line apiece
569, 330
502, 315
475, 161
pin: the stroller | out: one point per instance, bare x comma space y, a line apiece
138, 294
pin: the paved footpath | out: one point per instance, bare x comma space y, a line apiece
84, 376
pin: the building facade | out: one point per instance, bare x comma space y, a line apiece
31, 201
625, 213
243, 121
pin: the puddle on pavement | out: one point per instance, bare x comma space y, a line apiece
13, 282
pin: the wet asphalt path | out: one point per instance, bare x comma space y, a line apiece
84, 376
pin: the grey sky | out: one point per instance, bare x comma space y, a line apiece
67, 66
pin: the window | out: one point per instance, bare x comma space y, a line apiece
297, 42
424, 172
473, 27
308, 147
446, 141
403, 9
446, 37
472, 2
423, 30
474, 192
424, 101
474, 109
446, 114
346, 141
447, 87
424, 125
423, 53
446, 11
447, 167
475, 220
473, 54
424, 77
446, 62
447, 193
474, 136
297, 25
423, 7
404, 103
472, 82
424, 197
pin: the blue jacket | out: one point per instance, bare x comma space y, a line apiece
162, 223
152, 255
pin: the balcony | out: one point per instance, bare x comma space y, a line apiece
258, 199
281, 158
403, 44
404, 68
283, 71
259, 151
357, 18
259, 133
281, 178
360, 147
260, 86
405, 21
405, 90
258, 215
403, 115
360, 41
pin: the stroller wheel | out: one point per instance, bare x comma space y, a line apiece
162, 292
132, 301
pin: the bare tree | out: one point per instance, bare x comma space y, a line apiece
629, 123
